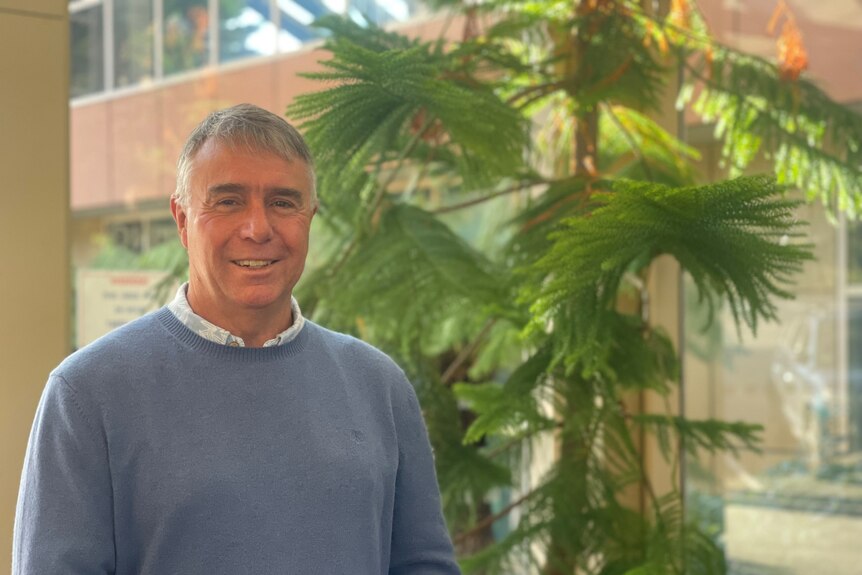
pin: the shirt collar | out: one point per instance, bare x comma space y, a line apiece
183, 311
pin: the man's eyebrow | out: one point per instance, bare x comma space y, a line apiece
226, 188
232, 188
290, 192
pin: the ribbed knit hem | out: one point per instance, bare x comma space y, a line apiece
190, 339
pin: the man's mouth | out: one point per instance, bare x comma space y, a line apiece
254, 263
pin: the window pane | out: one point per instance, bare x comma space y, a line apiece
133, 42
88, 74
796, 507
186, 32
161, 231
245, 29
854, 382
383, 11
854, 253
128, 235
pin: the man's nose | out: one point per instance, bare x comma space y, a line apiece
256, 225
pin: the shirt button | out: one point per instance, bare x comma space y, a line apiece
233, 344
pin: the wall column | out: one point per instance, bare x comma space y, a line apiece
34, 200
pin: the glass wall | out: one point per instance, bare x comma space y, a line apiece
796, 507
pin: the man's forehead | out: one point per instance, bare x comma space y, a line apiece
243, 147
222, 160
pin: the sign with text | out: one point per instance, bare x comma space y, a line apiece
108, 299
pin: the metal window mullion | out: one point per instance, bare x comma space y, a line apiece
275, 18
842, 319
158, 39
108, 43
214, 32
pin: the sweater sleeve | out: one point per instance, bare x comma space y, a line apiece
64, 518
420, 540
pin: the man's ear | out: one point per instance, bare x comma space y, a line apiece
181, 218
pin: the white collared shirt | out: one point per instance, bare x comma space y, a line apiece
180, 307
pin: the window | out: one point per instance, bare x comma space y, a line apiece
854, 253
143, 234
186, 35
790, 508
129, 235
245, 29
295, 19
151, 39
133, 42
86, 37
381, 11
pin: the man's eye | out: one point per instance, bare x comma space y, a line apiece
226, 202
283, 204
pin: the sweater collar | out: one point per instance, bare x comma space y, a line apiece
183, 311
193, 340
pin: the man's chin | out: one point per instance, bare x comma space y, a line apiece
262, 300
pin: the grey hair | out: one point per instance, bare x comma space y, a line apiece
246, 126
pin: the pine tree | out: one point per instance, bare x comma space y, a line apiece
494, 206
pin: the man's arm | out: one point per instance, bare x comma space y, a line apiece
420, 540
64, 518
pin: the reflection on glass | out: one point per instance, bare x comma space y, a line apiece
382, 11
87, 75
295, 18
133, 42
245, 29
186, 35
795, 508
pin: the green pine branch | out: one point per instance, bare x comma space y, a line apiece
735, 238
815, 142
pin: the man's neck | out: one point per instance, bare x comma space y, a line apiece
255, 326
253, 330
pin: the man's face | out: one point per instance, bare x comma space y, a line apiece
246, 231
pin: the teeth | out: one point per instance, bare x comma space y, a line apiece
253, 263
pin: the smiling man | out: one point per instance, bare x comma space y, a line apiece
225, 433
244, 217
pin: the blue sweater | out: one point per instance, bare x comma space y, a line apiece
155, 451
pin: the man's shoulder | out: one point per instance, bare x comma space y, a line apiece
347, 349
125, 344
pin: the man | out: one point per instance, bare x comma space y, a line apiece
225, 433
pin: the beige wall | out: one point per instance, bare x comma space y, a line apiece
830, 33
34, 300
